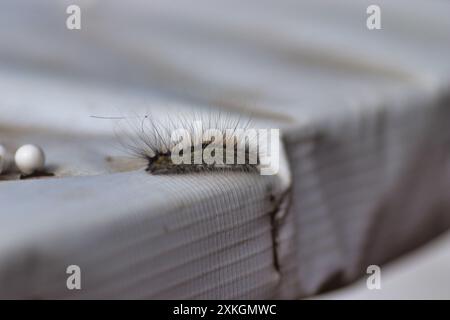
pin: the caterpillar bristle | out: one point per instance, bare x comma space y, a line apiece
151, 139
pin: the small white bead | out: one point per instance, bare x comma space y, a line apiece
3, 158
29, 158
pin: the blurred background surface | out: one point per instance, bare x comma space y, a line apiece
303, 66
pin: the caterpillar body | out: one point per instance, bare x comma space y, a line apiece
185, 144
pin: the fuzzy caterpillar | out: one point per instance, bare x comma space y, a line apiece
206, 142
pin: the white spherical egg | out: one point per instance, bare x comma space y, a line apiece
29, 158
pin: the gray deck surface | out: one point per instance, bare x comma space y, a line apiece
364, 117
